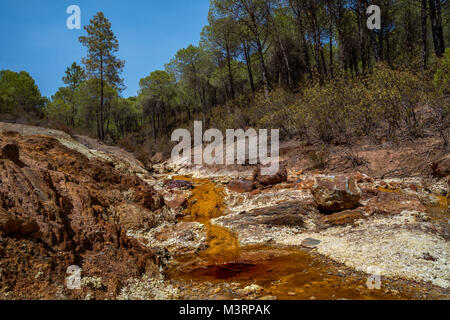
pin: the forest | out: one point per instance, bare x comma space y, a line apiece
311, 68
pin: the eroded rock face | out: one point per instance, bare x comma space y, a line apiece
67, 209
336, 193
240, 186
10, 151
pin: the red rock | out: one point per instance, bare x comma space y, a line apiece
336, 193
240, 186
306, 184
441, 167
132, 217
59, 208
255, 192
178, 202
368, 193
270, 180
148, 197
342, 218
13, 225
394, 202
10, 151
357, 176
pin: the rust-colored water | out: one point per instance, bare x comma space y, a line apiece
293, 274
389, 190
206, 203
289, 274
439, 211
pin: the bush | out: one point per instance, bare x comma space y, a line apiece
442, 76
388, 102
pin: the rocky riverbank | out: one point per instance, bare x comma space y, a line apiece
184, 232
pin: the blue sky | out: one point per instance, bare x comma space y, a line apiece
34, 36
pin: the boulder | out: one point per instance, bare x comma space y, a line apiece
441, 167
288, 214
179, 202
270, 180
240, 186
253, 289
393, 202
336, 193
179, 184
183, 238
310, 243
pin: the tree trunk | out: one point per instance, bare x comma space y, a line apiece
375, 46
436, 27
102, 133
263, 69
331, 52
380, 45
249, 67
388, 50
362, 43
305, 47
284, 53
286, 62
324, 65
154, 122
424, 17
97, 118
230, 73
330, 29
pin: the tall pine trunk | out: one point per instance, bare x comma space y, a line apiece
249, 66
436, 27
305, 47
230, 73
424, 17
102, 133
262, 65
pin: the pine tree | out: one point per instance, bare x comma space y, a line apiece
101, 62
